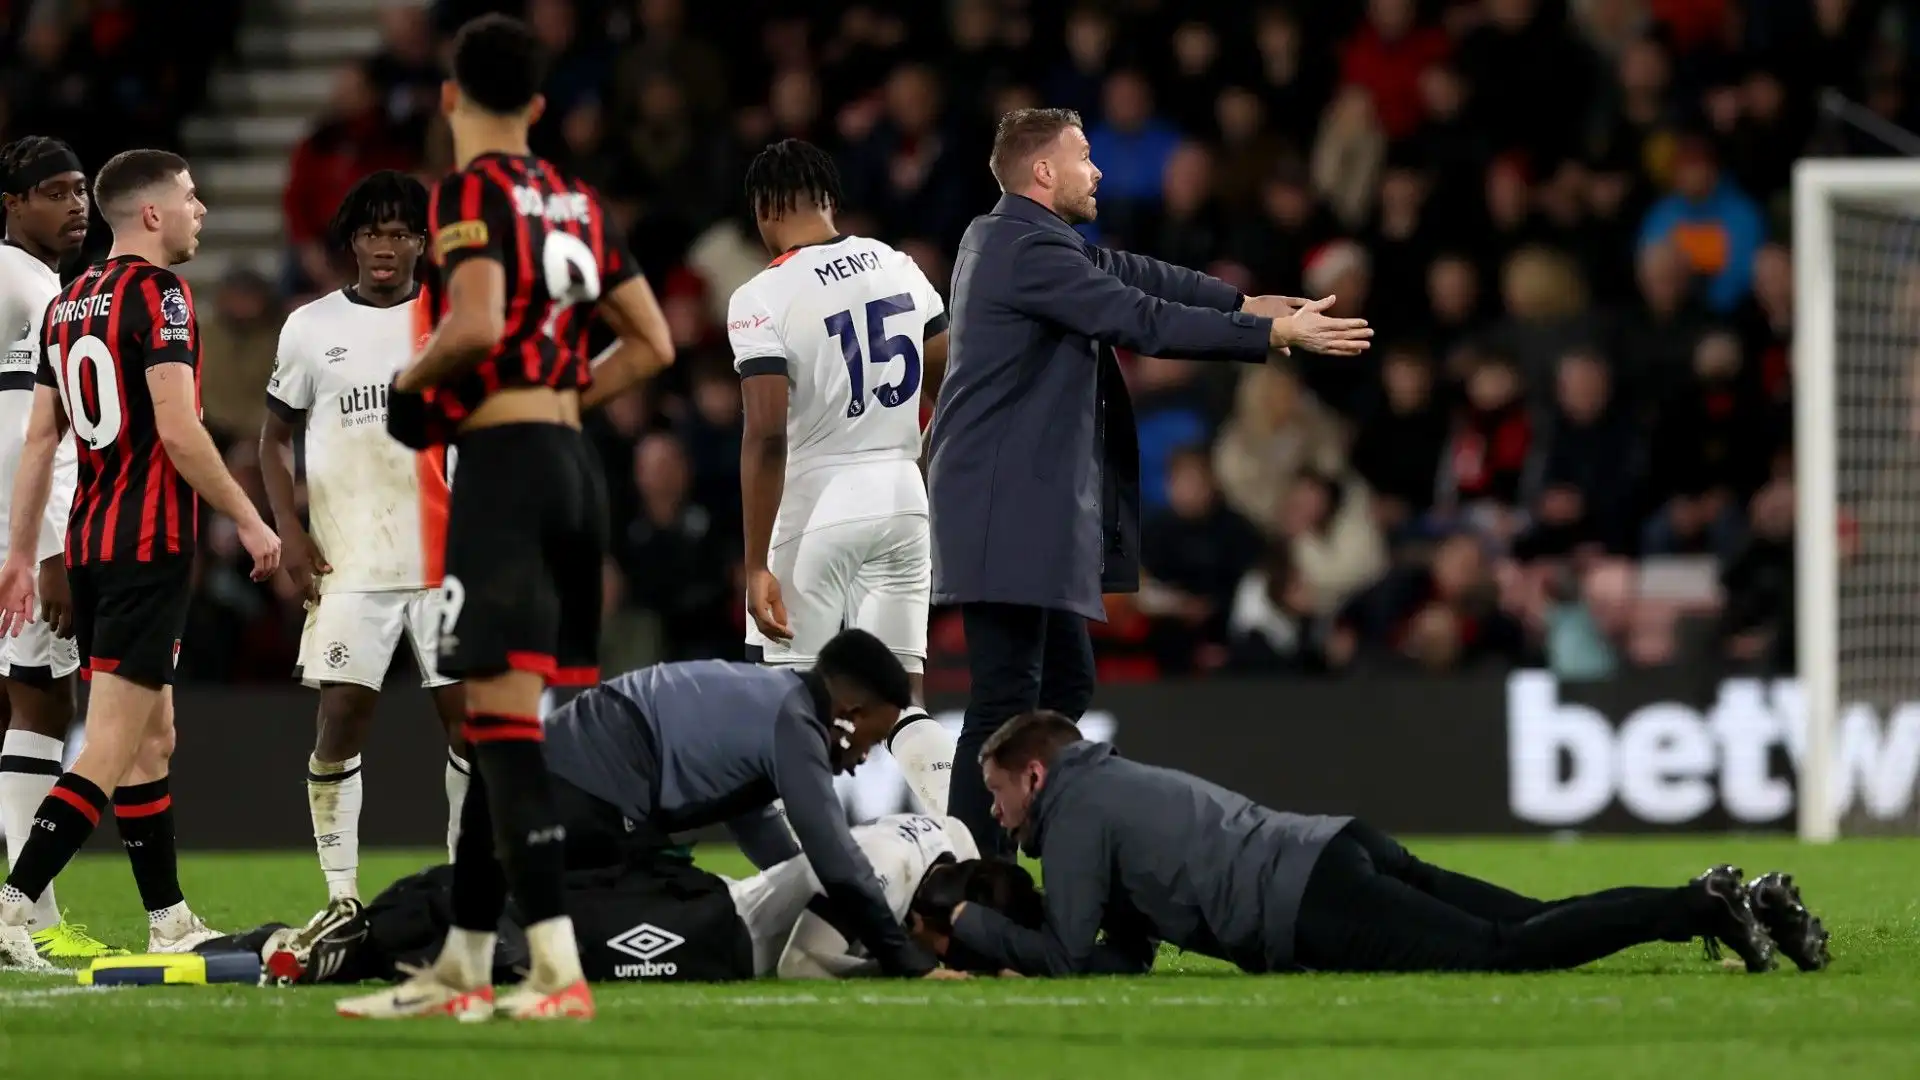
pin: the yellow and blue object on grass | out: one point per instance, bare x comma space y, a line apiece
172, 969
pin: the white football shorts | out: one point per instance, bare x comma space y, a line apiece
876, 575
36, 656
350, 637
770, 903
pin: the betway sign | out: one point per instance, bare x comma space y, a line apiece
1668, 763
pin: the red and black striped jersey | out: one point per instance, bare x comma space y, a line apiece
560, 253
100, 337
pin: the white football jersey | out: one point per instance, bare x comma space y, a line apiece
845, 321
901, 849
27, 286
378, 510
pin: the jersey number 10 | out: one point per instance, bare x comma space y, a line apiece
884, 348
89, 354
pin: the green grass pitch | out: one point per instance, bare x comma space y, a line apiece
1660, 1011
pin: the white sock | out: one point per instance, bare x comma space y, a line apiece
556, 958
924, 751
333, 796
466, 960
15, 908
459, 773
21, 793
171, 921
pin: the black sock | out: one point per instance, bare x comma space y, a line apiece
67, 816
144, 813
527, 835
479, 885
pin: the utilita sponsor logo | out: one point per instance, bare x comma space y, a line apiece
644, 943
1668, 763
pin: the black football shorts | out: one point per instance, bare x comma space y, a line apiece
128, 616
526, 536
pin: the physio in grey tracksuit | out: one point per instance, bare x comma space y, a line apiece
1148, 855
676, 747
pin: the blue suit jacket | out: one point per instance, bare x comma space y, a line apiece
1034, 483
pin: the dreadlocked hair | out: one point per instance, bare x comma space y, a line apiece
790, 170
387, 195
24, 151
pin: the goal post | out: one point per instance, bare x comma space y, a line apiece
1856, 429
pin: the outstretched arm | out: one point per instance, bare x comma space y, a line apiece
1167, 281
1051, 278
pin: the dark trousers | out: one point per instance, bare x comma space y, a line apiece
1371, 906
1020, 658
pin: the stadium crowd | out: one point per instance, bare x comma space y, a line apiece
1566, 221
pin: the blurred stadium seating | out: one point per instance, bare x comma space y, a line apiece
1566, 218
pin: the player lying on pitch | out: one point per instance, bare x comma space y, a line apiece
680, 923
1144, 855
678, 747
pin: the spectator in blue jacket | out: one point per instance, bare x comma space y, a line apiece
1712, 223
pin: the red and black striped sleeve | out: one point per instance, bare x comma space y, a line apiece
170, 334
470, 217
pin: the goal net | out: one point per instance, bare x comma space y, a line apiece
1856, 371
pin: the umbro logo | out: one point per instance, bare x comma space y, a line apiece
335, 354
646, 941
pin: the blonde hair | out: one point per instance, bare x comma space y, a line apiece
1540, 283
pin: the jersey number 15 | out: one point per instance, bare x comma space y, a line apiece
884, 349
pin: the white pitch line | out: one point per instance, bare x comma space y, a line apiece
761, 1001
28, 997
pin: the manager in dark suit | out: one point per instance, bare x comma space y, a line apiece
1034, 477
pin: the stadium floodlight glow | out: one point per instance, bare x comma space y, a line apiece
1856, 431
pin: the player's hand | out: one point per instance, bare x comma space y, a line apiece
263, 544
946, 975
56, 596
764, 603
304, 564
1314, 331
16, 597
1273, 307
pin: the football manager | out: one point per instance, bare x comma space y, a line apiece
1146, 854
1034, 473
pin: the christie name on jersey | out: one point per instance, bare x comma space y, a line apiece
66, 311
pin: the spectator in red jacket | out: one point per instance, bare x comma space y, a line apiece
1387, 56
1486, 459
351, 141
